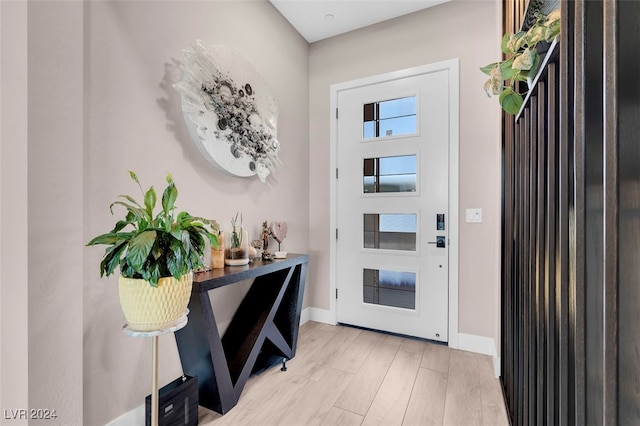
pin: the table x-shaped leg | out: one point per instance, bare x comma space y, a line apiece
265, 325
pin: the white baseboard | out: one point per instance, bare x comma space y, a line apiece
317, 315
135, 417
304, 316
496, 366
480, 345
477, 344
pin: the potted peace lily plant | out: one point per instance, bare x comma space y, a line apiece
522, 62
156, 255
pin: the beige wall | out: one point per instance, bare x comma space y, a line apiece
14, 320
55, 201
464, 29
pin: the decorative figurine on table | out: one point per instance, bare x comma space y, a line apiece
265, 236
265, 241
255, 251
279, 233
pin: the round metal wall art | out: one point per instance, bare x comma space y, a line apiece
231, 116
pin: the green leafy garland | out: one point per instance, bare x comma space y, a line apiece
522, 61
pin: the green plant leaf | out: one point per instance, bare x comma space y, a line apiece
130, 199
199, 226
506, 70
184, 219
152, 274
215, 227
169, 198
174, 267
139, 248
110, 238
516, 41
197, 241
176, 262
186, 241
112, 258
150, 201
519, 77
157, 251
497, 82
535, 35
505, 42
535, 65
194, 256
487, 88
488, 68
121, 224
553, 17
137, 212
524, 61
510, 101
213, 239
553, 30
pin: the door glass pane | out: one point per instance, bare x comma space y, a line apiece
369, 130
397, 126
390, 174
398, 107
389, 288
389, 118
390, 231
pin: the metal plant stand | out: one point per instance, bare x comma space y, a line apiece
154, 358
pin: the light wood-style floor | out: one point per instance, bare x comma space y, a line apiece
347, 376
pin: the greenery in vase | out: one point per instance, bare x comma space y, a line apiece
236, 235
151, 247
522, 61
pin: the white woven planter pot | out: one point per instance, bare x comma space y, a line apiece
149, 308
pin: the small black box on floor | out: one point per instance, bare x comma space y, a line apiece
177, 403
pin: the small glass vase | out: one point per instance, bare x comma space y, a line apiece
217, 254
236, 250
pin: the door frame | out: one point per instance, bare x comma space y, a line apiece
452, 66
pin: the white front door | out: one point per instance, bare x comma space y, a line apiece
392, 196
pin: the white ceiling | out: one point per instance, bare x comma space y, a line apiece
319, 19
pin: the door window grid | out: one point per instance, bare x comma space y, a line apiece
393, 231
389, 174
391, 117
389, 288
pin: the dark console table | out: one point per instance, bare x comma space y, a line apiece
264, 326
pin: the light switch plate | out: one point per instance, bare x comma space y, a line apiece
474, 215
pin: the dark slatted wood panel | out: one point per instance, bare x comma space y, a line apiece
622, 134
571, 224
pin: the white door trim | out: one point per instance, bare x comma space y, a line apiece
452, 65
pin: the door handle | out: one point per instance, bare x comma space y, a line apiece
440, 241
